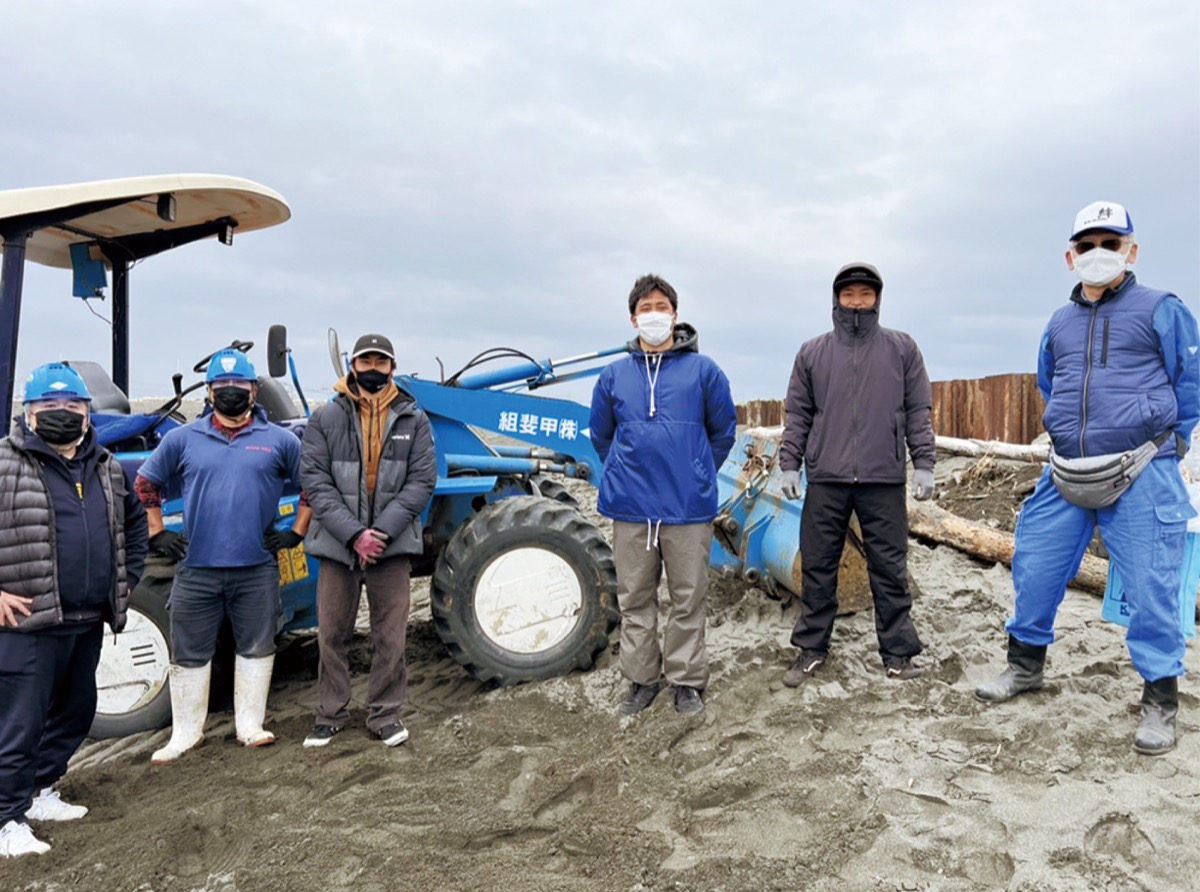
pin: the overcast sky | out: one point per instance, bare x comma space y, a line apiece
465, 175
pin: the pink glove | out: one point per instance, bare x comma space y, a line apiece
369, 546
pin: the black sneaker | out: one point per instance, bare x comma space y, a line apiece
902, 669
393, 734
804, 668
320, 735
688, 700
640, 696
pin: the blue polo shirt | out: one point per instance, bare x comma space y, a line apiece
231, 487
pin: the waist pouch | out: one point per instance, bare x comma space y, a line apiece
1098, 481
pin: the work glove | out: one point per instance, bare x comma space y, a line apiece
276, 541
170, 545
369, 545
790, 487
922, 484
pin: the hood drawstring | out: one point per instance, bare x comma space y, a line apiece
653, 380
652, 533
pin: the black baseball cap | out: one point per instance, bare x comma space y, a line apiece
373, 343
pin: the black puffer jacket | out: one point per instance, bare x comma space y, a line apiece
856, 397
332, 473
33, 541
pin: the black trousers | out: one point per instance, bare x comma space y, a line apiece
883, 517
47, 703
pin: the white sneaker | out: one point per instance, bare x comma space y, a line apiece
49, 806
17, 839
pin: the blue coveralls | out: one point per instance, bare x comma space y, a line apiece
1114, 374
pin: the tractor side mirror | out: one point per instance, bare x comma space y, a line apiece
277, 351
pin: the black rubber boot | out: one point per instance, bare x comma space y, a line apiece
1160, 704
1024, 673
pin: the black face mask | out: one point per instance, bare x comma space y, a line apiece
58, 427
232, 402
372, 381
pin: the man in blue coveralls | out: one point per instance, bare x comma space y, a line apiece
231, 467
1118, 367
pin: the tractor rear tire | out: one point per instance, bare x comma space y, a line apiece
133, 691
525, 589
553, 489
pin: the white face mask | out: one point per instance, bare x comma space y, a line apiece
1099, 266
655, 328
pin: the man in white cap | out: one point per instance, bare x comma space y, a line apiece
1119, 369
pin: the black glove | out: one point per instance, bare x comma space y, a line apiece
170, 545
276, 541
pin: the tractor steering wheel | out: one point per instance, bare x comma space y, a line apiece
170, 406
241, 346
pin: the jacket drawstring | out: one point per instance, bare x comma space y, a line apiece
652, 533
653, 380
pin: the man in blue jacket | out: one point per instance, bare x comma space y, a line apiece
72, 547
231, 467
662, 422
1118, 368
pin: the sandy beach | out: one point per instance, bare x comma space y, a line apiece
852, 782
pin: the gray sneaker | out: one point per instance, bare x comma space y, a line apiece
902, 669
804, 668
688, 700
640, 696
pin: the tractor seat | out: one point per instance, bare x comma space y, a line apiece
273, 397
106, 396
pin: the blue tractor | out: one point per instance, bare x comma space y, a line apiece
523, 585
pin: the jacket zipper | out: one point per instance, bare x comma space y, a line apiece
1104, 346
1087, 378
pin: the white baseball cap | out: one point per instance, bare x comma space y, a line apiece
1107, 215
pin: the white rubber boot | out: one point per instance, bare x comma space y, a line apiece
189, 709
251, 685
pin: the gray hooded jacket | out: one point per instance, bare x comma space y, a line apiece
857, 396
332, 473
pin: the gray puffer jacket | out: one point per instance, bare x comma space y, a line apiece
29, 541
857, 396
335, 483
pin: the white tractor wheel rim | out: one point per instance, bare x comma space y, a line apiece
528, 600
133, 666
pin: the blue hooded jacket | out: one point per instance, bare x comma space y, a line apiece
662, 424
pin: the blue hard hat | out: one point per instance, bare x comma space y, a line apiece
230, 365
55, 381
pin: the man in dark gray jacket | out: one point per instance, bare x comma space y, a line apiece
857, 396
368, 467
73, 543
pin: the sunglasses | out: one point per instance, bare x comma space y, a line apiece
1108, 244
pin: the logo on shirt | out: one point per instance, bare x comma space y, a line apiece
401, 436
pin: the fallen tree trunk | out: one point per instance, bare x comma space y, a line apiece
998, 448
928, 521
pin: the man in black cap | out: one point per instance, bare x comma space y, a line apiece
368, 467
857, 396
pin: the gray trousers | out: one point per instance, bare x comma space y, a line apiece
338, 592
682, 552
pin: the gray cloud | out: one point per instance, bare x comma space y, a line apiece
470, 174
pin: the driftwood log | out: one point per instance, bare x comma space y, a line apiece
998, 448
928, 521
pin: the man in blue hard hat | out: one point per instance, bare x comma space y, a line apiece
231, 466
72, 547
1119, 368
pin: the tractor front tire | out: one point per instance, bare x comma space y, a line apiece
131, 680
525, 589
